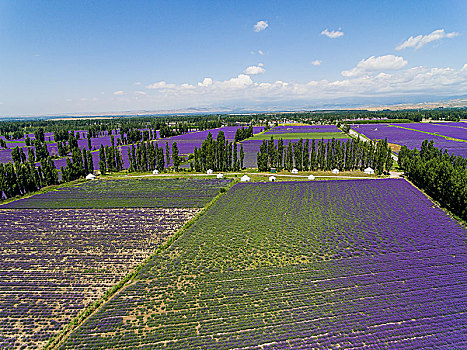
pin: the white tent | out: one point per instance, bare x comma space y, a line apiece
311, 177
155, 172
369, 171
220, 176
294, 171
90, 177
209, 172
272, 178
335, 171
245, 178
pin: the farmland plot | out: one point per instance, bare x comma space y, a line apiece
54, 262
137, 193
319, 265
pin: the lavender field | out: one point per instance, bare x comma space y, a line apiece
413, 134
299, 265
62, 250
54, 262
126, 193
186, 144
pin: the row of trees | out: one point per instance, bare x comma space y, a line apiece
441, 175
145, 156
243, 133
78, 166
110, 159
41, 153
21, 178
218, 155
351, 155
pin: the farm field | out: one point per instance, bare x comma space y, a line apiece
285, 129
55, 262
318, 265
137, 193
412, 135
300, 135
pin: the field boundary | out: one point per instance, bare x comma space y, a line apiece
56, 341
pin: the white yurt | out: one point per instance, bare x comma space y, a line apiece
311, 177
294, 171
335, 171
220, 176
155, 172
245, 178
369, 171
209, 172
90, 177
272, 178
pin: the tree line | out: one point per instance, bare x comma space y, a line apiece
217, 155
441, 175
243, 133
355, 154
20, 178
146, 156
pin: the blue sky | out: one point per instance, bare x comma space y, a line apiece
87, 57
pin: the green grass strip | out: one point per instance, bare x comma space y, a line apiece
56, 341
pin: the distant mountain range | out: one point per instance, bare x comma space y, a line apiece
460, 102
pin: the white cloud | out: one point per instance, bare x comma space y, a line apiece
160, 85
118, 93
316, 63
261, 25
261, 52
187, 86
252, 70
379, 82
372, 64
260, 64
421, 40
206, 82
138, 83
333, 34
83, 99
140, 93
240, 81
